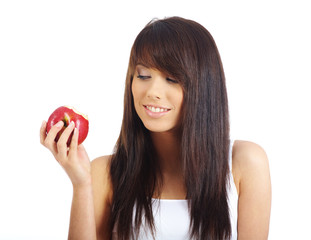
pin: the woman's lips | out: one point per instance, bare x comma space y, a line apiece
156, 111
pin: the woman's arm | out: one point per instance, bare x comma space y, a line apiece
91, 204
82, 217
76, 164
251, 168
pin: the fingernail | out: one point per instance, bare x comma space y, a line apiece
72, 124
59, 124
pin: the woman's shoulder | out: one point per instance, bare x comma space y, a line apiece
248, 154
101, 162
100, 171
248, 159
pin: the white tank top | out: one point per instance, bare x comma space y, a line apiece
172, 219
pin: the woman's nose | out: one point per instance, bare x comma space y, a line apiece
155, 89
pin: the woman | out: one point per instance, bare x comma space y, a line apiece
174, 173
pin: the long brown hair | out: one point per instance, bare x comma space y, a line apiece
185, 50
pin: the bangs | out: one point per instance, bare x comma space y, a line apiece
156, 47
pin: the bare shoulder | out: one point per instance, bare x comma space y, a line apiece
248, 157
102, 194
249, 151
250, 167
101, 163
100, 170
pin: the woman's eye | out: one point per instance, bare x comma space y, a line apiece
143, 77
171, 80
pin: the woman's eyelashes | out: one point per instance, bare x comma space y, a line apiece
171, 80
144, 77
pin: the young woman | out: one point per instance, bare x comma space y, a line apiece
174, 173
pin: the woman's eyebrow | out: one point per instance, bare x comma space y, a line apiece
140, 67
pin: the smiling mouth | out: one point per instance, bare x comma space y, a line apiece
156, 109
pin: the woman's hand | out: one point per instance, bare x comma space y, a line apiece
74, 158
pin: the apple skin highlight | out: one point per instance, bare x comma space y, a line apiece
68, 114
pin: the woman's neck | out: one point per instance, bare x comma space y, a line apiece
167, 147
168, 150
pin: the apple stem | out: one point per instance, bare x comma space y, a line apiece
66, 120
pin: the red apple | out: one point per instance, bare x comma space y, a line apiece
68, 114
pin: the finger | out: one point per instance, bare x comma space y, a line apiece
74, 144
43, 132
50, 138
62, 141
74, 140
81, 152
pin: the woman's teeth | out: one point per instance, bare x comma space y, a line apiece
153, 109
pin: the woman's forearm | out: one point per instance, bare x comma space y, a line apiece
82, 218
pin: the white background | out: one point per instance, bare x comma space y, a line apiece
55, 53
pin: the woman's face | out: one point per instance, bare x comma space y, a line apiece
157, 98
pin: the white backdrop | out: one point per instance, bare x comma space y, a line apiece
55, 53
